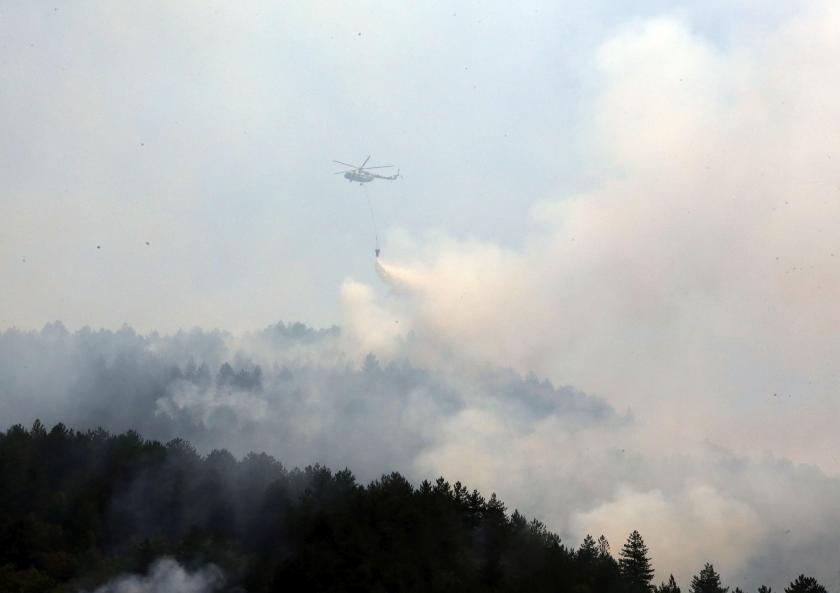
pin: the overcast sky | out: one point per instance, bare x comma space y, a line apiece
208, 129
637, 202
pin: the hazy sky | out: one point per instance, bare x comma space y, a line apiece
641, 204
208, 129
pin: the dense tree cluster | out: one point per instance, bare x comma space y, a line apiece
78, 508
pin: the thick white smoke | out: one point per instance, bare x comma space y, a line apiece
697, 285
694, 287
166, 576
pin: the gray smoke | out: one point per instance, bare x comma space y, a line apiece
286, 390
307, 396
166, 576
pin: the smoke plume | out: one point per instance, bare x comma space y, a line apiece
166, 576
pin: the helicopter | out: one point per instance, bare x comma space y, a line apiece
362, 174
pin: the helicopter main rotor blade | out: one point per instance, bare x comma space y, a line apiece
362, 166
347, 165
379, 167
340, 172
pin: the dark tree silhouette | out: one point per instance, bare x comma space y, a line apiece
588, 549
634, 564
804, 584
78, 508
603, 547
707, 581
765, 589
669, 587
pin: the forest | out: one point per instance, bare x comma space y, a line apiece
80, 508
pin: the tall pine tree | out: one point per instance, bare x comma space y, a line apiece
634, 564
707, 581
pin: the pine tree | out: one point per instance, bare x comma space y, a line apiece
634, 564
669, 587
765, 589
588, 549
707, 581
38, 429
603, 547
804, 584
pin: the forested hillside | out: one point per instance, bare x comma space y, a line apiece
78, 509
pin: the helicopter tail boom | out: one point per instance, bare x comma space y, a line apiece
387, 177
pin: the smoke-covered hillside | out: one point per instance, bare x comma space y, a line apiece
580, 254
289, 389
120, 514
307, 396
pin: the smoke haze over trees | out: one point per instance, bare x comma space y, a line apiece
306, 396
120, 514
607, 290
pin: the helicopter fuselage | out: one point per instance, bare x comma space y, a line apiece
359, 176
